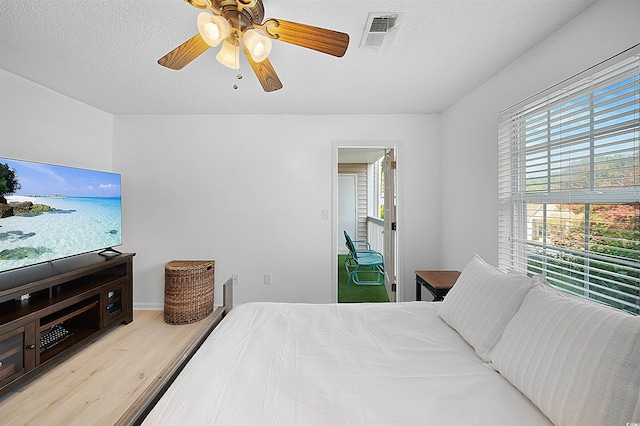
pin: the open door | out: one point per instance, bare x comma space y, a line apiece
390, 224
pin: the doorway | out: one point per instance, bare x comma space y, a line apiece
372, 169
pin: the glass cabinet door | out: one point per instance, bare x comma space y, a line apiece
16, 353
113, 302
114, 299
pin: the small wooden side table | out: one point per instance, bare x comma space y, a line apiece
437, 282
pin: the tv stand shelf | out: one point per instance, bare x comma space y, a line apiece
62, 305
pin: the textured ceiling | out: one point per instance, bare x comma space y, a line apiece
104, 54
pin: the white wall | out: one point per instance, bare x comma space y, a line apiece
469, 128
38, 124
248, 192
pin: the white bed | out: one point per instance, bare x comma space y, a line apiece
367, 364
502, 349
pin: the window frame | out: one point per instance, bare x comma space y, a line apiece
529, 172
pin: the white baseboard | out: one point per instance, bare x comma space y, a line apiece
148, 307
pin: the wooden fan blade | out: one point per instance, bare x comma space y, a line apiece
320, 39
182, 55
265, 73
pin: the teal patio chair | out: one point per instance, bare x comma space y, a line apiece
353, 244
369, 260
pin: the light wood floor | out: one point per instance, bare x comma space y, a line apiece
102, 382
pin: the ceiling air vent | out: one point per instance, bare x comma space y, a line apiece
380, 30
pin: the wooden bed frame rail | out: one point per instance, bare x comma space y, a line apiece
145, 402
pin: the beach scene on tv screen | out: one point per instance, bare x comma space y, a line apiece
48, 212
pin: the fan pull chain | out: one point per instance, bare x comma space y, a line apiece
239, 75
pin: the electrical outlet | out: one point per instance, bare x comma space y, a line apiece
235, 279
267, 279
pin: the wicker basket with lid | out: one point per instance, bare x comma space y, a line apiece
188, 290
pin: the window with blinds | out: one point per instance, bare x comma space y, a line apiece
569, 184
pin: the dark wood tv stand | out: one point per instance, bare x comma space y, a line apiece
84, 296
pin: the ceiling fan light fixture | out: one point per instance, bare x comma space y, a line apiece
231, 23
259, 45
213, 29
229, 55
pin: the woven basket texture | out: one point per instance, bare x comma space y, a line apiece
188, 290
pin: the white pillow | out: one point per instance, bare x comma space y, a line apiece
482, 302
578, 361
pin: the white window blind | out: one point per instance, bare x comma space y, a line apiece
569, 184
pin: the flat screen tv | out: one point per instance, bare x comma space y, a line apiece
49, 212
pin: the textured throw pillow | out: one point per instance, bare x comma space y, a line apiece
482, 302
578, 361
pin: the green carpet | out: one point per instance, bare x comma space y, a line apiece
358, 293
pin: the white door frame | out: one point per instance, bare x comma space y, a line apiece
397, 146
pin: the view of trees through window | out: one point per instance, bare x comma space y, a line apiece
591, 249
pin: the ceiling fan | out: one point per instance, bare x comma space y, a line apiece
237, 24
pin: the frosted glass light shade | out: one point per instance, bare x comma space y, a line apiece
258, 45
213, 29
229, 55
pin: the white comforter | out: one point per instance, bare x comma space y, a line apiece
369, 364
